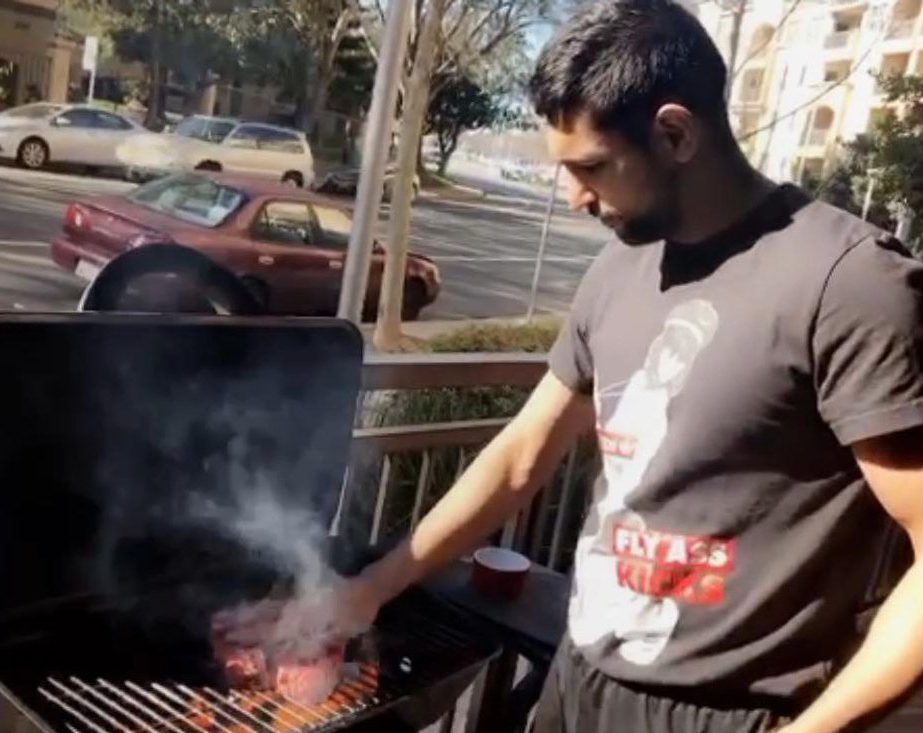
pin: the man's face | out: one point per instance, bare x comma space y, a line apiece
623, 184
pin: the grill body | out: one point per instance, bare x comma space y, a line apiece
116, 429
104, 672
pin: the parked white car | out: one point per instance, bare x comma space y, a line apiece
36, 135
222, 144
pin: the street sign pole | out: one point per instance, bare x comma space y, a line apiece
543, 245
92, 92
91, 63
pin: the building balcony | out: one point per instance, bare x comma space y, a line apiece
901, 29
840, 39
816, 137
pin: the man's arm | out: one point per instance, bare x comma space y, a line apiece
891, 658
501, 481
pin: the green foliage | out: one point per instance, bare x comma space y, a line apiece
288, 43
892, 154
354, 78
537, 337
448, 405
458, 104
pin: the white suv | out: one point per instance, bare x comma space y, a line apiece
220, 144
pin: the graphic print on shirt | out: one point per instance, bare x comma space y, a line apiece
629, 578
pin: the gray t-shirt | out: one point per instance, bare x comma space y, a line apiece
731, 538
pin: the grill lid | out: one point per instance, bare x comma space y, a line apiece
127, 438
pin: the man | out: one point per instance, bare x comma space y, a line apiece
755, 361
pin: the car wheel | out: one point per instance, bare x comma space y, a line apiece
414, 299
259, 289
293, 178
33, 154
209, 165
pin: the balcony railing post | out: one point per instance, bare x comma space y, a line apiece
378, 469
566, 498
422, 483
381, 498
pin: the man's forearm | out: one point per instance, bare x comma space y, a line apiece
501, 481
886, 665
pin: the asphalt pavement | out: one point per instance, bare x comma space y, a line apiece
486, 248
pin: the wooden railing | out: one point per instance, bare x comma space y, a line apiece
398, 471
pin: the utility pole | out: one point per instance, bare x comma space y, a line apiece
375, 151
543, 245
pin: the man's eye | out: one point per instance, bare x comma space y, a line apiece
592, 168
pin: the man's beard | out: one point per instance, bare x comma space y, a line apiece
640, 230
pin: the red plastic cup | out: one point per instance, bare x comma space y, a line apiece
500, 574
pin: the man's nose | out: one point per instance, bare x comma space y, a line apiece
583, 199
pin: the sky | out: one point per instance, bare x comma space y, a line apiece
538, 36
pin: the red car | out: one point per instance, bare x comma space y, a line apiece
289, 245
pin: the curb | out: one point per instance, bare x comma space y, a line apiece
454, 193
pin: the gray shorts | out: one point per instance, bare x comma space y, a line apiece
579, 699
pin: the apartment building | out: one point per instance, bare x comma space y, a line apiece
35, 60
805, 73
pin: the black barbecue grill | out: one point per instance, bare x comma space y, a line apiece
117, 432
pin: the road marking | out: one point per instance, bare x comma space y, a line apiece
564, 260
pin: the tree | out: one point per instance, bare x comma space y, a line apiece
459, 104
165, 35
486, 40
891, 154
300, 37
472, 37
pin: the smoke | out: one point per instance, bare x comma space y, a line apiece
218, 475
255, 515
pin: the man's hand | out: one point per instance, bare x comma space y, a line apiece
359, 601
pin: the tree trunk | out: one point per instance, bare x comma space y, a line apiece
154, 117
421, 164
326, 71
445, 156
304, 104
316, 109
388, 329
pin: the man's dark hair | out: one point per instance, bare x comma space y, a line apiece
620, 60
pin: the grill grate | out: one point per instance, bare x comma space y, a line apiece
408, 667
105, 707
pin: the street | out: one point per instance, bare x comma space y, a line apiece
485, 248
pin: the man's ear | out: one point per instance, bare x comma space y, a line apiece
677, 133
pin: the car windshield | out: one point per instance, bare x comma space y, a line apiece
195, 199
213, 131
